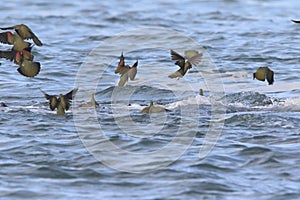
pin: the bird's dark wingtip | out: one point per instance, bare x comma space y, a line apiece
6, 28
295, 21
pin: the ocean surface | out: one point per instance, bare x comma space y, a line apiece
240, 140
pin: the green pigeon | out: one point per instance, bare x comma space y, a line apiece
24, 59
191, 57
126, 71
263, 73
25, 33
14, 39
60, 102
29, 68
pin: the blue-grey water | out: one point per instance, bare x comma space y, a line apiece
257, 154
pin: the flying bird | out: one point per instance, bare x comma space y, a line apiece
126, 71
14, 39
29, 68
60, 102
25, 33
263, 73
16, 56
24, 59
21, 50
191, 57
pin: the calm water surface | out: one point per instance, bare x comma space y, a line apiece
43, 156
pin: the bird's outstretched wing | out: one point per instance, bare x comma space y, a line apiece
176, 74
133, 70
6, 28
25, 33
69, 96
176, 56
270, 77
53, 102
193, 57
9, 55
47, 96
4, 37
